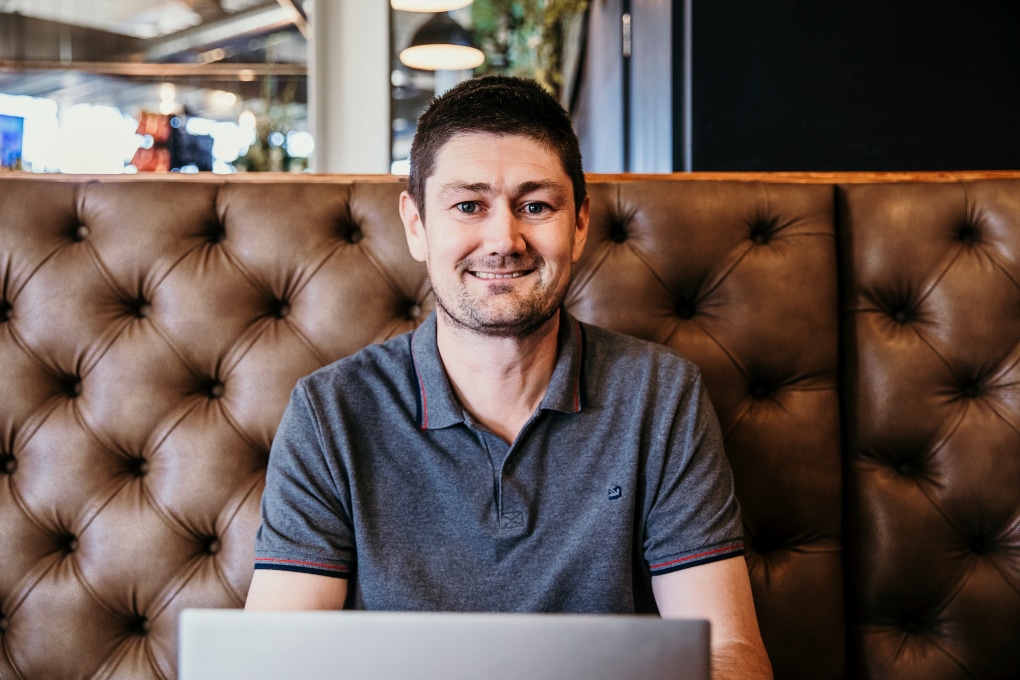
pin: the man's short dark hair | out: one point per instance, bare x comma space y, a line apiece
496, 105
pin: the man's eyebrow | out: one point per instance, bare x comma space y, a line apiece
520, 189
473, 187
540, 185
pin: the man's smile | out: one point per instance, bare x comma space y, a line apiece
494, 275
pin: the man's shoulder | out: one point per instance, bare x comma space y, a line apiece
620, 352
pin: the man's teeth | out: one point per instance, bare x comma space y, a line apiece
488, 275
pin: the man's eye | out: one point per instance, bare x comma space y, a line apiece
468, 207
535, 208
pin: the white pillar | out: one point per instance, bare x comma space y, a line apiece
349, 85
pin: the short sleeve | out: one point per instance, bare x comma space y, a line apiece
693, 516
305, 527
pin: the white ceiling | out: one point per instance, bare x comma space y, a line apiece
139, 18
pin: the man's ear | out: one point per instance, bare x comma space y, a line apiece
581, 229
414, 227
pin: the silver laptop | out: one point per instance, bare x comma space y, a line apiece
230, 643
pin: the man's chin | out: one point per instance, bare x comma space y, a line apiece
505, 324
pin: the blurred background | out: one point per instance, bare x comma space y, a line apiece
114, 86
101, 86
111, 86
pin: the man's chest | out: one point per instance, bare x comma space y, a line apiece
459, 507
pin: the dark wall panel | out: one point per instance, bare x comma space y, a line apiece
865, 85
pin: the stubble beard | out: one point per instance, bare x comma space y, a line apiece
516, 316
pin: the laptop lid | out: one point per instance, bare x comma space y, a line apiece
221, 643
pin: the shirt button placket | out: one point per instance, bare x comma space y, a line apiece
513, 515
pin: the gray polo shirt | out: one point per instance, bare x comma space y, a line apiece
377, 474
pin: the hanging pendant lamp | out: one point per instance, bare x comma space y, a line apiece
441, 44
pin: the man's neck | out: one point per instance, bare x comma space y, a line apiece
499, 381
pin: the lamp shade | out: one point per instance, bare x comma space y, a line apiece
441, 44
428, 5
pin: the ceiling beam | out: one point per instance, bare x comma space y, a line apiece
243, 72
256, 21
297, 15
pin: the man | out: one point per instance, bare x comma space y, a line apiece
504, 457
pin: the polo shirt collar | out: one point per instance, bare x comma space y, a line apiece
565, 388
438, 406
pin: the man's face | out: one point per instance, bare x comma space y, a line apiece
502, 233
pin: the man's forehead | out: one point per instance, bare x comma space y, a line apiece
476, 158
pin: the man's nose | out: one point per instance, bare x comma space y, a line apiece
503, 235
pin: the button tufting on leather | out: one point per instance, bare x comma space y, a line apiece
139, 308
216, 389
139, 625
901, 316
760, 390
216, 233
214, 546
263, 458
82, 233
5, 311
762, 231
138, 466
971, 390
685, 309
8, 464
354, 235
282, 309
618, 232
68, 544
967, 234
72, 386
3, 623
413, 312
951, 502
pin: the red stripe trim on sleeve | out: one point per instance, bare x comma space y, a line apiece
697, 556
331, 567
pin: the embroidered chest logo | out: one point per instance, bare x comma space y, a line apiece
615, 492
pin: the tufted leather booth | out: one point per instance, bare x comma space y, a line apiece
860, 338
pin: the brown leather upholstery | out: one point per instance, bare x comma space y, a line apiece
153, 332
932, 397
741, 278
150, 332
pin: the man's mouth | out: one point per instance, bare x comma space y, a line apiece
493, 275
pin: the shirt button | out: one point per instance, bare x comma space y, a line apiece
508, 469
